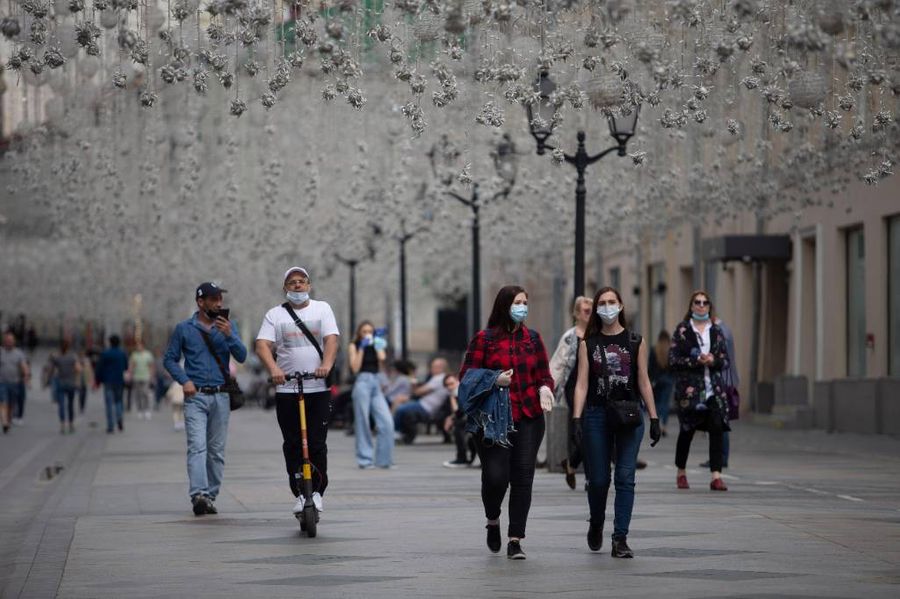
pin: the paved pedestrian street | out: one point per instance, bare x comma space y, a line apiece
807, 514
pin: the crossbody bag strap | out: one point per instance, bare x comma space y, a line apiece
302, 327
215, 356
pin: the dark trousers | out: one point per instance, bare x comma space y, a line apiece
465, 443
82, 398
714, 430
318, 412
20, 401
512, 468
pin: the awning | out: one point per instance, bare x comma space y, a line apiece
747, 248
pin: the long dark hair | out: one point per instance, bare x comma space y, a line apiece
595, 324
500, 318
358, 336
712, 310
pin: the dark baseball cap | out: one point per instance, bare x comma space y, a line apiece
209, 290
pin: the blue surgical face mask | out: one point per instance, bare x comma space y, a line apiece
297, 297
696, 316
518, 312
609, 313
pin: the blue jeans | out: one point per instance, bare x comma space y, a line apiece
112, 397
368, 399
65, 398
599, 444
408, 416
206, 424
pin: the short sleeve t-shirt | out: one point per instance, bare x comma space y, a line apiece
11, 361
141, 361
65, 365
293, 350
433, 401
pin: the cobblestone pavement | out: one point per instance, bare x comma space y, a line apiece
807, 515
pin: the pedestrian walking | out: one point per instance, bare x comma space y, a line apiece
507, 354
140, 366
301, 335
175, 395
162, 380
84, 377
206, 402
14, 375
111, 367
64, 369
366, 354
608, 422
564, 369
698, 357
661, 377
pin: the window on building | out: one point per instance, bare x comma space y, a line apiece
656, 279
856, 303
615, 278
894, 295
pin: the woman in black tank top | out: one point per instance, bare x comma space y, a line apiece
612, 367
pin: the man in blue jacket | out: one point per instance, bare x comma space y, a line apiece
206, 403
111, 367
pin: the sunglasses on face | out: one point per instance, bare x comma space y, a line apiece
699, 302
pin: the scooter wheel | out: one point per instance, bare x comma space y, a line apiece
309, 517
302, 521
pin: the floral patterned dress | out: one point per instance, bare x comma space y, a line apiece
694, 409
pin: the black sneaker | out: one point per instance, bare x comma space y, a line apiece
200, 505
493, 538
210, 506
620, 548
514, 550
595, 536
121, 426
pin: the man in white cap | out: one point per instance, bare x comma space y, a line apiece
301, 335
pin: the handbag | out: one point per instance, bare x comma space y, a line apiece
624, 414
231, 387
330, 378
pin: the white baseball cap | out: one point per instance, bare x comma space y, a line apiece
294, 269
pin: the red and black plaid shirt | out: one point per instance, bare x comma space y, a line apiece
523, 351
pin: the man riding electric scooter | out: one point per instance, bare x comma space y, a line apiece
301, 336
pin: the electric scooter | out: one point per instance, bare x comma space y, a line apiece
309, 517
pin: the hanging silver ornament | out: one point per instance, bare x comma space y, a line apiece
119, 80
238, 107
148, 98
807, 89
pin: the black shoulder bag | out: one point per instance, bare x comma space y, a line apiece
624, 414
235, 395
329, 380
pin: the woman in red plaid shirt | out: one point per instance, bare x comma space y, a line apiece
507, 345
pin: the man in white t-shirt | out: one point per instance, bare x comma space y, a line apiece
283, 348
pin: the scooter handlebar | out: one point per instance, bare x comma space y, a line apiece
294, 376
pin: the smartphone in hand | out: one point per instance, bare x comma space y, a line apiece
224, 312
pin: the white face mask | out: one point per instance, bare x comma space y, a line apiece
297, 298
609, 314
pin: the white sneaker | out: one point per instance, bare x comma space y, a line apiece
317, 501
298, 507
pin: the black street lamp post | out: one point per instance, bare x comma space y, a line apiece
621, 128
352, 263
504, 157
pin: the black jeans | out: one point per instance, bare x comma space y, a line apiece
318, 412
715, 431
513, 468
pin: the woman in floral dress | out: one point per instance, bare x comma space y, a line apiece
698, 357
